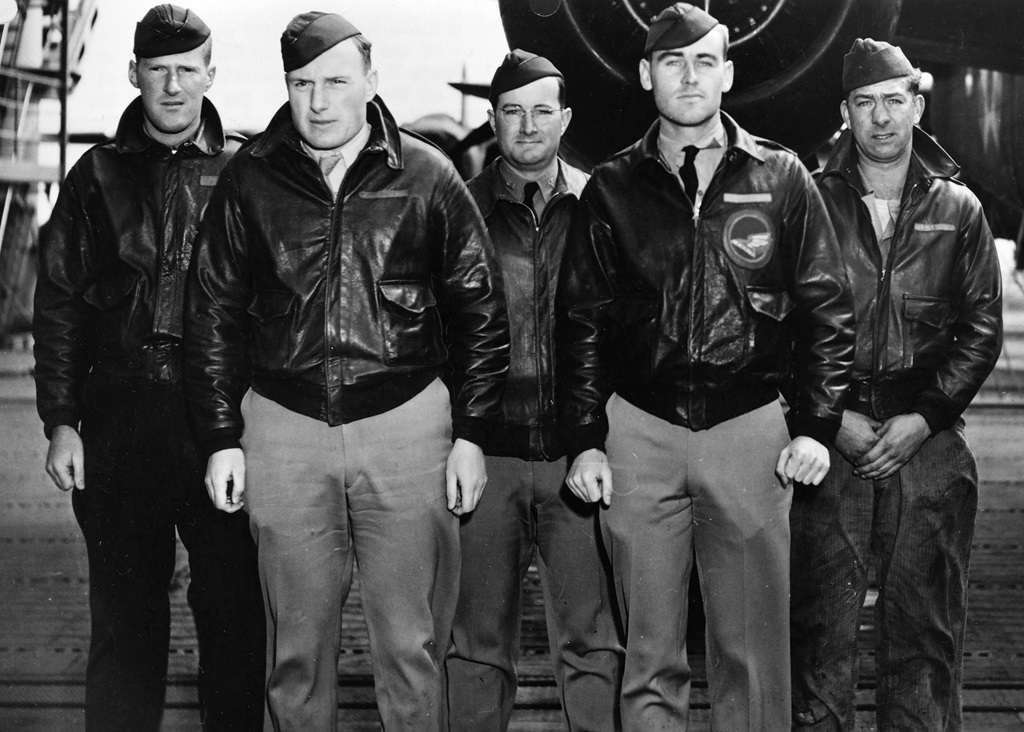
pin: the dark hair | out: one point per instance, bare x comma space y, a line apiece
913, 84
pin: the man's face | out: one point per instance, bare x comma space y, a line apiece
882, 118
172, 88
688, 82
328, 96
528, 123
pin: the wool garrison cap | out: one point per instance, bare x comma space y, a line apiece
167, 29
519, 68
678, 25
310, 34
870, 62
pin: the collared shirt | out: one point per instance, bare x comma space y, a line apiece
347, 155
712, 148
515, 184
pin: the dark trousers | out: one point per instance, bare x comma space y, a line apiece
916, 527
144, 478
526, 504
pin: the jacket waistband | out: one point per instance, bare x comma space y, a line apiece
703, 410
157, 361
885, 398
341, 404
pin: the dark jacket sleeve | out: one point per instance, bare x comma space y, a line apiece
61, 316
824, 336
977, 330
474, 304
218, 295
585, 294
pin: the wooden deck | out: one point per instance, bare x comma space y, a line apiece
44, 613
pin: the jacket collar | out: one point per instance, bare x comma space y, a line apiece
738, 139
132, 138
569, 181
384, 133
928, 160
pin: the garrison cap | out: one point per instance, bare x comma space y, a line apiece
678, 25
310, 34
870, 62
167, 29
519, 68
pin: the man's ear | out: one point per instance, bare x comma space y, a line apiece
645, 74
133, 74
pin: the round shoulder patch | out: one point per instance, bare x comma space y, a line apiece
748, 238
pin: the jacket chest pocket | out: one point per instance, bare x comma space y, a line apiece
767, 332
274, 332
410, 324
925, 335
115, 300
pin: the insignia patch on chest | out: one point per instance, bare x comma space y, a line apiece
749, 238
207, 180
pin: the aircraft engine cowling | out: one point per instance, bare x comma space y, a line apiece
788, 56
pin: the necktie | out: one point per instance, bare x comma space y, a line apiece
688, 172
330, 164
530, 191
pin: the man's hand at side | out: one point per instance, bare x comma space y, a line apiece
858, 434
804, 460
899, 439
225, 479
65, 460
590, 478
465, 476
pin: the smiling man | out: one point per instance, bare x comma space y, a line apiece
108, 330
695, 255
903, 491
341, 269
527, 197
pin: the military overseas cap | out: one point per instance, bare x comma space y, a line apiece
678, 25
519, 68
167, 29
310, 34
870, 62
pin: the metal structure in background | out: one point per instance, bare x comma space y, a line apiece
40, 52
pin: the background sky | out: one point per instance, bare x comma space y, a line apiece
418, 47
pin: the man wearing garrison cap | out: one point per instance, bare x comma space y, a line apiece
527, 197
903, 489
695, 254
342, 268
108, 332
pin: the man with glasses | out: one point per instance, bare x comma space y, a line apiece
527, 197
693, 253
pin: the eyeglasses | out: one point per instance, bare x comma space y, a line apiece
539, 115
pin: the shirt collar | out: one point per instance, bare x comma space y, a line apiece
512, 183
671, 151
348, 151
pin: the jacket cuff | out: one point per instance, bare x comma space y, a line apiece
583, 437
822, 429
471, 429
60, 421
937, 408
225, 438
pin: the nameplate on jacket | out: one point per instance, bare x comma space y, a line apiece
207, 180
747, 197
934, 227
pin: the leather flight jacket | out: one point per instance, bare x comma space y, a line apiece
114, 257
697, 318
929, 315
529, 250
341, 308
